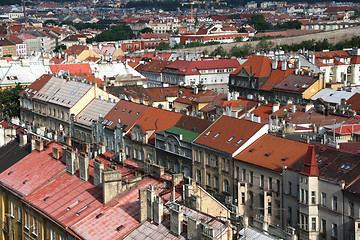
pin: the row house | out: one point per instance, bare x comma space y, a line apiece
20, 45
50, 101
136, 45
265, 79
7, 48
342, 66
212, 74
173, 145
216, 33
213, 152
88, 193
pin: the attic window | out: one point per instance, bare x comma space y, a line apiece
182, 124
183, 97
346, 167
130, 111
216, 135
207, 134
73, 205
251, 150
230, 139
25, 181
137, 114
46, 198
267, 154
194, 128
116, 108
99, 215
274, 85
284, 158
124, 110
10, 172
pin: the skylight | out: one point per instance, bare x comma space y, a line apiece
216, 135
230, 139
207, 134
238, 142
346, 167
73, 205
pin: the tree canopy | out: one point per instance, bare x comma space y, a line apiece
9, 101
115, 33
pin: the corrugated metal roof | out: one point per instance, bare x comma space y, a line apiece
93, 110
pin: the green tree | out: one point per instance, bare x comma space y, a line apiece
163, 46
60, 48
242, 51
219, 51
259, 22
265, 45
178, 46
9, 101
146, 30
115, 33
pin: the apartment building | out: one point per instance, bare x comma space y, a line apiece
213, 152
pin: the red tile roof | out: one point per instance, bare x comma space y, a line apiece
32, 171
36, 86
76, 68
272, 152
127, 112
257, 66
310, 167
228, 134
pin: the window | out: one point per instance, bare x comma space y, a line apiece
251, 177
278, 186
208, 159
334, 203
216, 182
270, 183
262, 181
216, 161
302, 195
269, 208
52, 234
35, 227
290, 215
351, 209
238, 173
242, 198
12, 209
208, 179
306, 196
201, 157
290, 188
323, 199
334, 232
244, 175
226, 186
313, 197
19, 214
198, 176
313, 224
323, 226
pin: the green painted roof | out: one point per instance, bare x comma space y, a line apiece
187, 136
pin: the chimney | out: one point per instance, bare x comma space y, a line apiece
33, 144
157, 170
196, 90
275, 107
293, 109
84, 167
57, 153
98, 172
158, 210
71, 163
39, 145
23, 139
176, 219
102, 147
112, 185
177, 178
274, 64
143, 204
308, 106
193, 229
283, 65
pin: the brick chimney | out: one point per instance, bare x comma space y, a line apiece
177, 178
150, 204
143, 204
98, 172
84, 166
176, 219
71, 161
57, 153
112, 185
158, 210
33, 140
39, 145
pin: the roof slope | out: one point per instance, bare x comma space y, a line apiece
272, 152
256, 66
11, 153
228, 134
